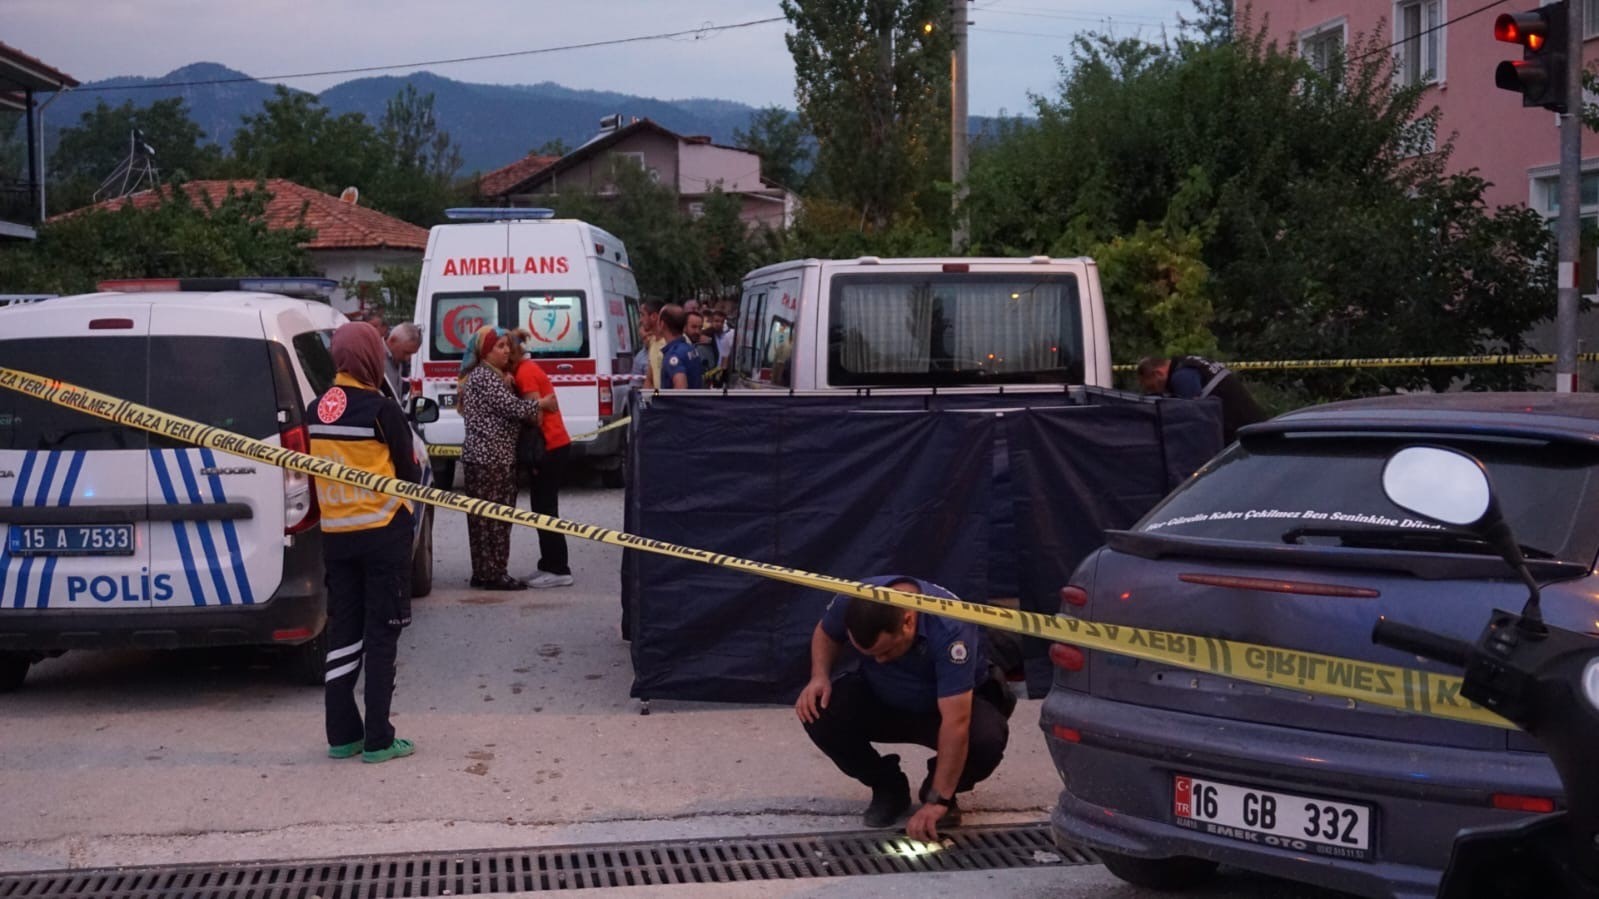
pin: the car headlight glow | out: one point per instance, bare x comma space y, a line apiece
1590, 682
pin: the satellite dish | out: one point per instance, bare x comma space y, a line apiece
350, 195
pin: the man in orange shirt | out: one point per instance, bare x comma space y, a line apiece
544, 487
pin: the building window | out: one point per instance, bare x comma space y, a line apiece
636, 158
1590, 18
1546, 199
696, 210
1323, 46
1420, 36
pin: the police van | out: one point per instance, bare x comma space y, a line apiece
568, 283
115, 537
967, 324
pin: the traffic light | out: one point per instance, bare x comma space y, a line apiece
1540, 76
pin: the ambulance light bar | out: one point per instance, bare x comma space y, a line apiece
496, 214
300, 288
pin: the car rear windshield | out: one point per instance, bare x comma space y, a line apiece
1264, 490
220, 381
949, 328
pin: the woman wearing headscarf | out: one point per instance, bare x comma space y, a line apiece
494, 416
366, 545
545, 483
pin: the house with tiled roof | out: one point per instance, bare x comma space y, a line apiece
22, 79
692, 165
500, 182
351, 240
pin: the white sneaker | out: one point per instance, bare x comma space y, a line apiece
545, 579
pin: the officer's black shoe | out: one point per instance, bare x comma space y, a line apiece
891, 797
952, 815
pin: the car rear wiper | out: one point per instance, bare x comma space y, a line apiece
1424, 539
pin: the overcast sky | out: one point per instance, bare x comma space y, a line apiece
1014, 43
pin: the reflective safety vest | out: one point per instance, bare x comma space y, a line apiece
344, 427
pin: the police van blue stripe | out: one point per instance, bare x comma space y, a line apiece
20, 599
47, 580
16, 500
229, 532
204, 529
177, 528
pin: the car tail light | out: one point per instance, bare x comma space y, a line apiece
607, 404
110, 324
293, 633
416, 386
1066, 657
1069, 734
1511, 802
1074, 596
299, 493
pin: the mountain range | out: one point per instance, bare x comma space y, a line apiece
493, 124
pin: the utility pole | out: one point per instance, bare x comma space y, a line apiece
1568, 299
959, 122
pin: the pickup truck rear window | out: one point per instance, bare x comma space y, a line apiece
1281, 490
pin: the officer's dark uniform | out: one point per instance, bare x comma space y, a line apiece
366, 542
897, 702
680, 357
1194, 377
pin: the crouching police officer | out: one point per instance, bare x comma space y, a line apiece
366, 543
922, 679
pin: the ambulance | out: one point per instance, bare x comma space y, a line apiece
566, 282
115, 537
912, 325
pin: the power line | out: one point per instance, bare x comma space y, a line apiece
1439, 27
672, 35
1084, 17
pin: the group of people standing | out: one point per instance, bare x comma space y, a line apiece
502, 392
681, 346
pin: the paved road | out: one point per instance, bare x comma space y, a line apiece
526, 736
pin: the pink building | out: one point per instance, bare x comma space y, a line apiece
1516, 149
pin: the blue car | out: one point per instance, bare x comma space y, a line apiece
1286, 539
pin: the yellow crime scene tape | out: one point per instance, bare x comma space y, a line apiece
1389, 362
446, 451
1387, 686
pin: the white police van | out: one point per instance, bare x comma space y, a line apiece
116, 537
568, 283
913, 325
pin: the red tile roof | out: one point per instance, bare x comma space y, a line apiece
339, 225
501, 181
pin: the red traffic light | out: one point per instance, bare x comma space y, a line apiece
1529, 29
1540, 75
1505, 29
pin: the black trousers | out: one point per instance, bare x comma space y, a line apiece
855, 719
544, 496
365, 591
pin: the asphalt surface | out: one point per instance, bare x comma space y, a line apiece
526, 736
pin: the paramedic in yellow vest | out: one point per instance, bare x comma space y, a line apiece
366, 544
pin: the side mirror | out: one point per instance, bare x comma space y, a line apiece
1441, 484
1452, 487
423, 410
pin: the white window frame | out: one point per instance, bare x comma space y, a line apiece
1590, 19
635, 157
1543, 196
1320, 32
1437, 39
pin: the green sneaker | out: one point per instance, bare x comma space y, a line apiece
399, 749
348, 750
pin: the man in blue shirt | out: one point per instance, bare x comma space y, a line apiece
680, 362
922, 679
1195, 377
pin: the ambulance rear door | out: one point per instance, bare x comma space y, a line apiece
463, 279
555, 294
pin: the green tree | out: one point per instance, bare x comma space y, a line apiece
89, 151
872, 83
662, 243
294, 137
178, 238
1322, 229
553, 147
417, 182
778, 137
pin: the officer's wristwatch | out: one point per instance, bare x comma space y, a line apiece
937, 799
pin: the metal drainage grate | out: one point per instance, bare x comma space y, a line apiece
485, 872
